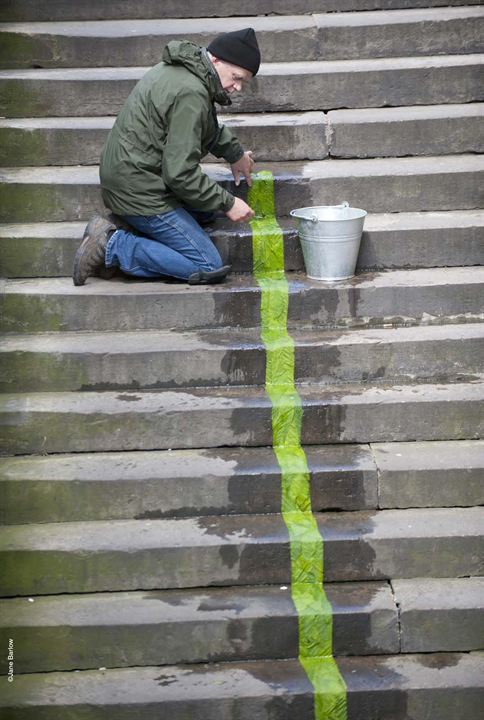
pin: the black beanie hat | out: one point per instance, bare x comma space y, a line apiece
237, 48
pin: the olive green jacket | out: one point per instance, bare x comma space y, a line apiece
151, 160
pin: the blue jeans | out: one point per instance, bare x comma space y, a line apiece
172, 243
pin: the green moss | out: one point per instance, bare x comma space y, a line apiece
20, 98
23, 203
25, 313
23, 147
17, 51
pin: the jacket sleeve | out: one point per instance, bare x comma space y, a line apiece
228, 146
182, 154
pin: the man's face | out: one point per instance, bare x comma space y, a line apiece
232, 77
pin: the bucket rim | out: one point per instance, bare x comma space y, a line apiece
294, 213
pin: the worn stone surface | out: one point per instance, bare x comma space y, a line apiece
168, 627
141, 42
440, 614
393, 240
163, 359
427, 296
441, 474
398, 33
278, 137
105, 486
377, 185
13, 10
299, 37
278, 87
275, 137
411, 686
238, 550
211, 417
391, 132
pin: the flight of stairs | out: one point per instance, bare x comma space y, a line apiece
145, 563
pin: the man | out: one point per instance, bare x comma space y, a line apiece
150, 166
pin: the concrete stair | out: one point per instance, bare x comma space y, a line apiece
157, 359
311, 37
27, 10
136, 432
169, 627
280, 87
239, 480
388, 686
399, 297
390, 240
191, 552
404, 184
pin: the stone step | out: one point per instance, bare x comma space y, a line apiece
393, 132
189, 626
436, 474
400, 297
440, 615
118, 555
92, 43
29, 10
274, 137
393, 240
234, 416
442, 686
378, 185
143, 360
179, 483
278, 137
279, 87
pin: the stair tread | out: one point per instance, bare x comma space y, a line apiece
311, 67
108, 467
196, 398
328, 168
241, 602
208, 605
237, 283
175, 26
360, 116
140, 688
166, 341
374, 222
130, 535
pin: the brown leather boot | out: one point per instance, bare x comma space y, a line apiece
89, 260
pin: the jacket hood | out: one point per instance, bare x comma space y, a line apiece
197, 61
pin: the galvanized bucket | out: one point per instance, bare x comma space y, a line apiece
330, 238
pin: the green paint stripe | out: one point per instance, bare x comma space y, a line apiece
306, 544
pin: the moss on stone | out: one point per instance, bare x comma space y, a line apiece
23, 147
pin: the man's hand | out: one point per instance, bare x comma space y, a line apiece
243, 166
240, 211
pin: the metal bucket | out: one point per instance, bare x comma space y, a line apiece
330, 238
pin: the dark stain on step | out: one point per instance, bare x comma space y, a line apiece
323, 422
164, 680
229, 554
252, 425
128, 398
244, 366
316, 363
267, 562
439, 661
234, 308
175, 600
348, 555
212, 604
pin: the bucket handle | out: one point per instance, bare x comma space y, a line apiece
314, 218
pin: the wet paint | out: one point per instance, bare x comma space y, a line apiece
306, 544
